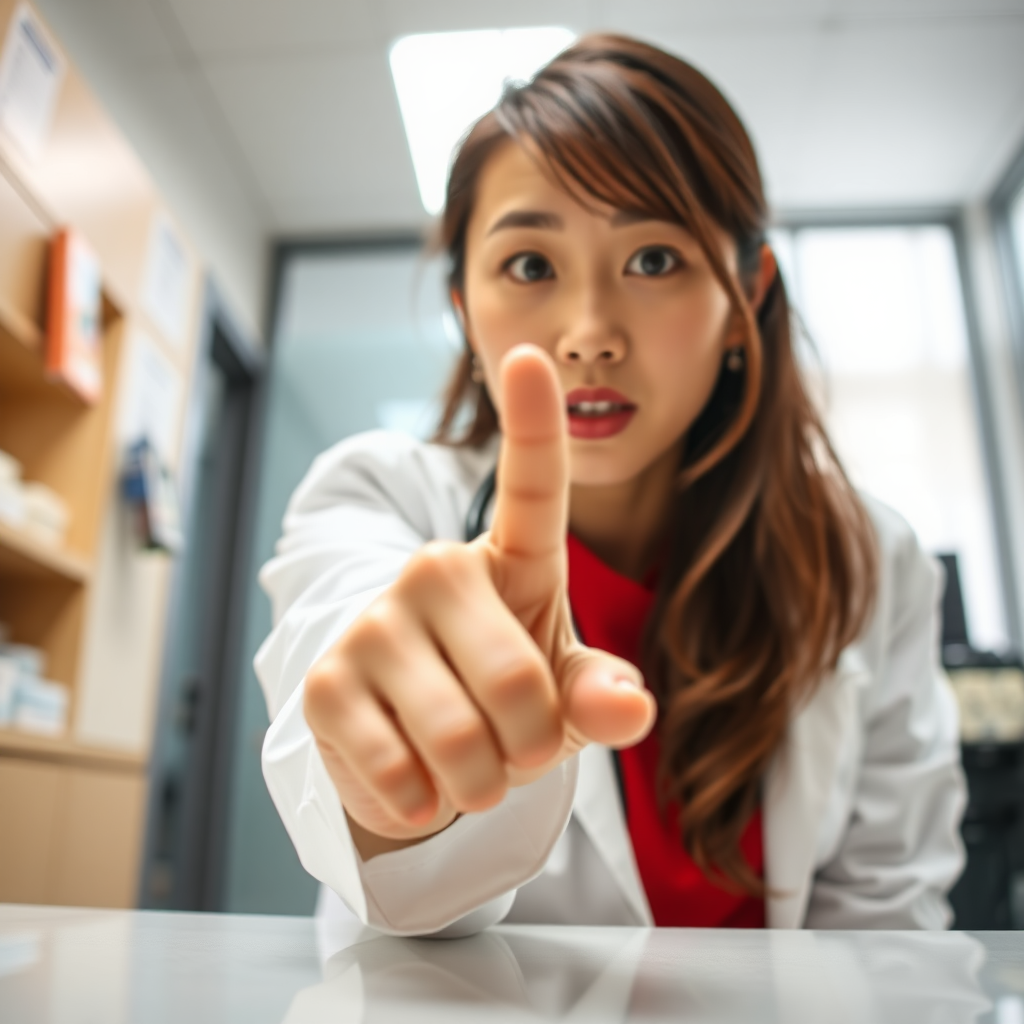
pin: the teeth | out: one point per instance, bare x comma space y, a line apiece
595, 408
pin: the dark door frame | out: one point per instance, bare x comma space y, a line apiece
199, 857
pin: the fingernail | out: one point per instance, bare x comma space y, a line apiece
628, 682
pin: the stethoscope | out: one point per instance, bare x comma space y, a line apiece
476, 517
476, 523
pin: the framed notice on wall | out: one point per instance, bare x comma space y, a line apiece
31, 74
165, 294
73, 324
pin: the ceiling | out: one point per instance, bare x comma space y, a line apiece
852, 103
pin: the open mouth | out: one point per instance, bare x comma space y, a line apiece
598, 408
598, 412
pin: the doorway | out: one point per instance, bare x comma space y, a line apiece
190, 781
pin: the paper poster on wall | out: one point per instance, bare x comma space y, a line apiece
151, 399
31, 74
165, 292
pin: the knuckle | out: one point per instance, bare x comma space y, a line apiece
459, 738
516, 684
329, 693
322, 684
390, 771
373, 630
437, 564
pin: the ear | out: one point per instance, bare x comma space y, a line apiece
766, 271
459, 306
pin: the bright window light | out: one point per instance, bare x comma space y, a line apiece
446, 80
1017, 227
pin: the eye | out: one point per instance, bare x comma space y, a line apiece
653, 261
529, 266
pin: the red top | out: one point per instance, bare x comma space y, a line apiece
610, 612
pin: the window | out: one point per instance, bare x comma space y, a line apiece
890, 364
1017, 235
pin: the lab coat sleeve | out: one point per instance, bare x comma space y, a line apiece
365, 507
901, 851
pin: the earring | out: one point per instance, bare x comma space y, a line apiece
476, 371
734, 360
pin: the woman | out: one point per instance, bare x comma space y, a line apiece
762, 642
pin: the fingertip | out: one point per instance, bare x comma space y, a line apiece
531, 392
422, 813
644, 722
477, 803
611, 708
524, 352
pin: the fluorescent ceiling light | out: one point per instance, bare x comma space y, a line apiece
446, 80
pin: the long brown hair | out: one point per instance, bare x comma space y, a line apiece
772, 565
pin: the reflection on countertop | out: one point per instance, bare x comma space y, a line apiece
60, 965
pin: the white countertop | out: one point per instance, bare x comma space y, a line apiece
108, 967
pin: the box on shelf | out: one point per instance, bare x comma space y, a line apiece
12, 498
41, 707
36, 508
10, 673
46, 513
10, 468
27, 700
12, 503
31, 660
74, 310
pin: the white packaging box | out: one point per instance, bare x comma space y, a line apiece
41, 707
12, 502
31, 660
10, 468
10, 676
46, 512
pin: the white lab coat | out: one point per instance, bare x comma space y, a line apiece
861, 804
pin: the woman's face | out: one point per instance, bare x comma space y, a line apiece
629, 309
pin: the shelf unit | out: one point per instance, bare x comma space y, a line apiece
64, 751
59, 439
24, 557
72, 807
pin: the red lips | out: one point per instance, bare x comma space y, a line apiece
598, 412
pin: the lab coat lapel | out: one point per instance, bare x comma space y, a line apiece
599, 811
797, 789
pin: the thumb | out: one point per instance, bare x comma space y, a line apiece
604, 699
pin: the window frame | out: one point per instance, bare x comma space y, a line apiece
1011, 262
952, 219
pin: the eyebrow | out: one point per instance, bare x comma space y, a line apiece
624, 218
553, 222
528, 219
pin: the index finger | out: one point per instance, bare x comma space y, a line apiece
532, 500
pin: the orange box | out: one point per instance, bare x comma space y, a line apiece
74, 309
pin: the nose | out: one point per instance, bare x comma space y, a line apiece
591, 340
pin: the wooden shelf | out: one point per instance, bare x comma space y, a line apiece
22, 370
66, 751
22, 556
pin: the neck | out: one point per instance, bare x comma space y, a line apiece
624, 524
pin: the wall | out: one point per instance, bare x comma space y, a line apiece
135, 65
